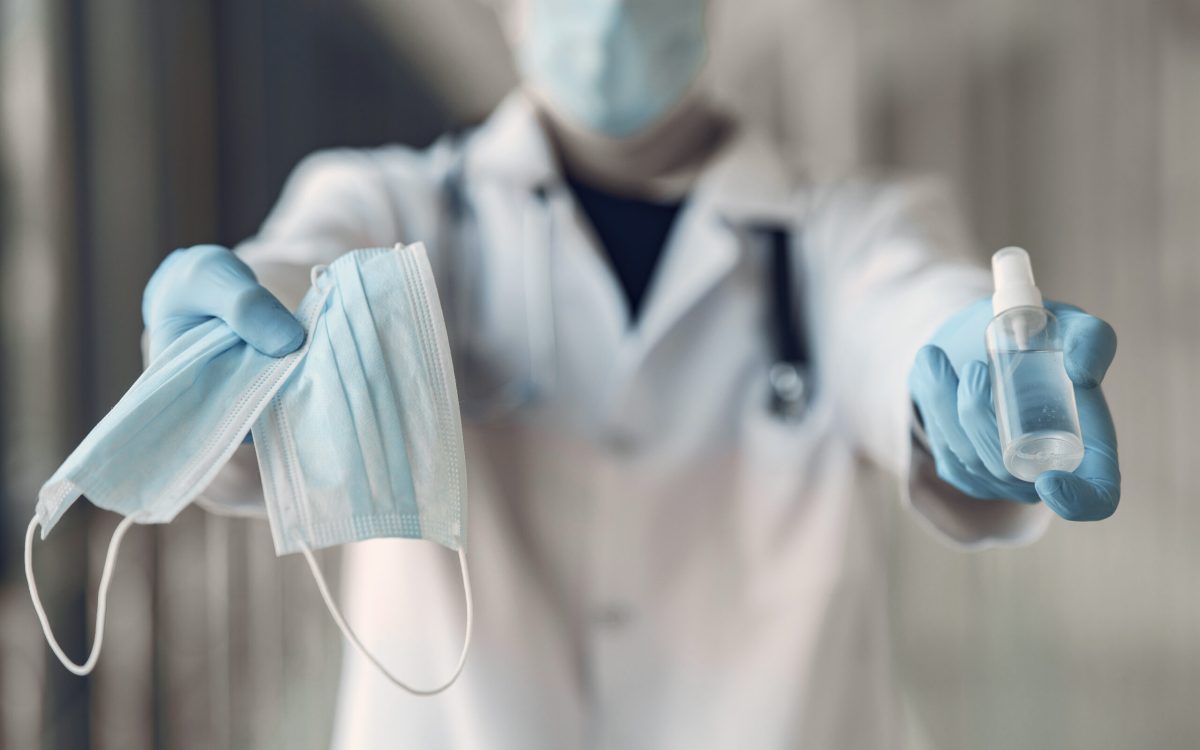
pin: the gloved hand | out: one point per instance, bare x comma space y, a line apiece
207, 281
951, 386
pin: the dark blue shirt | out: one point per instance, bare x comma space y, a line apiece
632, 232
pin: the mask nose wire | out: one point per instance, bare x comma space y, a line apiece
351, 636
110, 560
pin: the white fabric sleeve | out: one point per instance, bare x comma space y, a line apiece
893, 262
960, 519
333, 202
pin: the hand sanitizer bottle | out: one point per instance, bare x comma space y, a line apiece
1035, 400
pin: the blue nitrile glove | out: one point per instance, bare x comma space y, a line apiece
951, 387
208, 281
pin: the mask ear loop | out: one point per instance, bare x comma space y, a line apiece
110, 560
351, 636
316, 274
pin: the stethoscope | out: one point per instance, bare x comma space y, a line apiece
789, 376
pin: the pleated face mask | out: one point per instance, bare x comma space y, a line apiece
358, 433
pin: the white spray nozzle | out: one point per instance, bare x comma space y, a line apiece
1012, 274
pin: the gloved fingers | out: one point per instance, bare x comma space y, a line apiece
1020, 491
152, 294
934, 387
1093, 490
981, 487
951, 471
189, 282
249, 309
1077, 498
1089, 344
977, 414
261, 320
1095, 421
163, 333
210, 281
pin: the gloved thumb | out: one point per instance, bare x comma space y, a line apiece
262, 321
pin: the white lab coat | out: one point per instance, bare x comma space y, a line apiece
658, 561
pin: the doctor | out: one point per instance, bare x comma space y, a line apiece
691, 382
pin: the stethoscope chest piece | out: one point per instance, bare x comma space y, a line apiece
789, 376
789, 391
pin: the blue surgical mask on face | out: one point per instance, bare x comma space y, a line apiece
357, 433
612, 66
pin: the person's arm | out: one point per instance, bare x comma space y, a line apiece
893, 263
340, 200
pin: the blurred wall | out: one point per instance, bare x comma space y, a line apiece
1068, 127
1071, 128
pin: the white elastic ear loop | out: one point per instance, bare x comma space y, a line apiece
101, 598
315, 274
351, 636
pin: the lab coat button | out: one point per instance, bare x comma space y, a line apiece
622, 444
612, 616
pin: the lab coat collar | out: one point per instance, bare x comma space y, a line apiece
512, 147
746, 186
748, 181
745, 189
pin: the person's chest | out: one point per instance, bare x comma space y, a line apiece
542, 326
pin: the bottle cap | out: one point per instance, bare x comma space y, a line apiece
1013, 277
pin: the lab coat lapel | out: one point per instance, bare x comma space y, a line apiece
512, 157
511, 149
699, 254
745, 187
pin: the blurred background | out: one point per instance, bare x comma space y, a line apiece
131, 127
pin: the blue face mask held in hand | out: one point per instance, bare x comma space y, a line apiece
365, 440
358, 432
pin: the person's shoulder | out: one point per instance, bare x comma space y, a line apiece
874, 214
868, 192
871, 201
391, 168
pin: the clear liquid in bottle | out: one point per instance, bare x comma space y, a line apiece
1035, 409
1035, 400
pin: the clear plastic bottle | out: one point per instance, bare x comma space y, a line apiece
1035, 400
